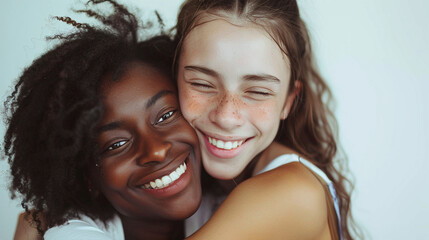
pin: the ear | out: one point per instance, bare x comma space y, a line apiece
290, 99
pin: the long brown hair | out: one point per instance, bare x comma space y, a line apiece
311, 128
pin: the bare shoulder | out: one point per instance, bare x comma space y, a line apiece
285, 203
294, 191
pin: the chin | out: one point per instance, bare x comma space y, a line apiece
221, 171
185, 209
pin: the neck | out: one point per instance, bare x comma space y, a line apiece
152, 229
229, 185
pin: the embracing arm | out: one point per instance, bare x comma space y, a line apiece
285, 203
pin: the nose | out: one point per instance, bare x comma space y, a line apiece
227, 114
154, 151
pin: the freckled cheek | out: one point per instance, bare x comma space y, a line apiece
193, 105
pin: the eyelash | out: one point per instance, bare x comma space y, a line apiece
115, 145
260, 93
201, 85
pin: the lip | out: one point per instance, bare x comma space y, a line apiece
223, 153
175, 187
224, 138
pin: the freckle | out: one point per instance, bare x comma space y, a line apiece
193, 105
236, 101
262, 113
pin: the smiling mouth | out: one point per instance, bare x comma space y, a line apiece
167, 179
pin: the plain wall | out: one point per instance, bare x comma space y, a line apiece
373, 54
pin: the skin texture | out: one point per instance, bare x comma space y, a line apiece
233, 83
144, 137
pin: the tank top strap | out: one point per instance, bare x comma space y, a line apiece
289, 158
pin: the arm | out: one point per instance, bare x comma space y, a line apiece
285, 203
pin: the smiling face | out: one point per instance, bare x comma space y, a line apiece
233, 82
149, 164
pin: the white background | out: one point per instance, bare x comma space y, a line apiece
374, 55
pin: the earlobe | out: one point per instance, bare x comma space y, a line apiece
290, 100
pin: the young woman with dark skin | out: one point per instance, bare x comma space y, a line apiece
96, 140
149, 159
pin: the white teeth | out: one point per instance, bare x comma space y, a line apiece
166, 180
224, 144
174, 176
159, 183
220, 144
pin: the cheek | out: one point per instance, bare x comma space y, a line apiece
114, 176
184, 133
264, 113
192, 105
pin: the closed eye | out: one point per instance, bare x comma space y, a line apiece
201, 85
257, 93
260, 93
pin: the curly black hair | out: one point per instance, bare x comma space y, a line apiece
53, 112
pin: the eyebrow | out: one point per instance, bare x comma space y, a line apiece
150, 102
204, 70
157, 96
249, 77
109, 126
261, 77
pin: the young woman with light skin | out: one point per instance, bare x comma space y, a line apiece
248, 86
232, 91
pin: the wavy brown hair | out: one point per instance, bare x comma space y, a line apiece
311, 128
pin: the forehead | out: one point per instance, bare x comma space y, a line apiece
137, 78
223, 41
